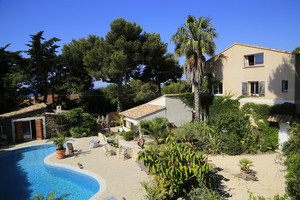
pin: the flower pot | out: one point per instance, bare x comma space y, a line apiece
245, 172
61, 153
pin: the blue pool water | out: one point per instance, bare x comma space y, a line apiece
23, 173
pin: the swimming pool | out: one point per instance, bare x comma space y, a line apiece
23, 173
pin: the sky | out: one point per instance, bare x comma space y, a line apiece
268, 23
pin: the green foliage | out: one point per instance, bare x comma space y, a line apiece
245, 164
268, 141
156, 189
291, 149
276, 197
180, 87
50, 196
77, 122
62, 124
144, 124
128, 135
160, 66
58, 140
75, 77
157, 128
135, 131
192, 40
296, 50
115, 58
190, 131
12, 77
77, 132
43, 65
177, 164
232, 128
284, 109
203, 193
140, 92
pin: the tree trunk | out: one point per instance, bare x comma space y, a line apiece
197, 101
120, 96
45, 95
159, 88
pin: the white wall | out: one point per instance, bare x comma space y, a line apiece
177, 112
161, 113
161, 101
283, 134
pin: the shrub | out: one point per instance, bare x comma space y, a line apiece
82, 124
178, 164
128, 135
269, 141
291, 149
76, 132
156, 189
61, 123
144, 125
157, 128
192, 130
204, 193
232, 128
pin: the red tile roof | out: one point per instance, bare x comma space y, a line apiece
49, 101
142, 110
24, 110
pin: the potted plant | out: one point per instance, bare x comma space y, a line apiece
245, 165
59, 141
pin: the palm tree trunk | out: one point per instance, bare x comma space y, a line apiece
197, 101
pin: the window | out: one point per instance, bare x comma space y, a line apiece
253, 88
218, 88
285, 86
253, 60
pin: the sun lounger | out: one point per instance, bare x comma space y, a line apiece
94, 143
142, 166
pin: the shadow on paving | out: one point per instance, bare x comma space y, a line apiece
221, 187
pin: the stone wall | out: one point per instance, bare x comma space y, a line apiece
50, 125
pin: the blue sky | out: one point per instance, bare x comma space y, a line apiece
267, 23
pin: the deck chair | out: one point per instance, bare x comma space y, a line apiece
70, 148
108, 150
122, 152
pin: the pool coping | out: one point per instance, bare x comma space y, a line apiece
99, 178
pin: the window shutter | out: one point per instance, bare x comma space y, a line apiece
261, 88
244, 88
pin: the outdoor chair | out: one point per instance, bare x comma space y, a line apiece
70, 148
108, 150
122, 152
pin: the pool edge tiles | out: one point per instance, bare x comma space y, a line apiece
100, 180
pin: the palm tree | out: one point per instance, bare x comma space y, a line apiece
194, 39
